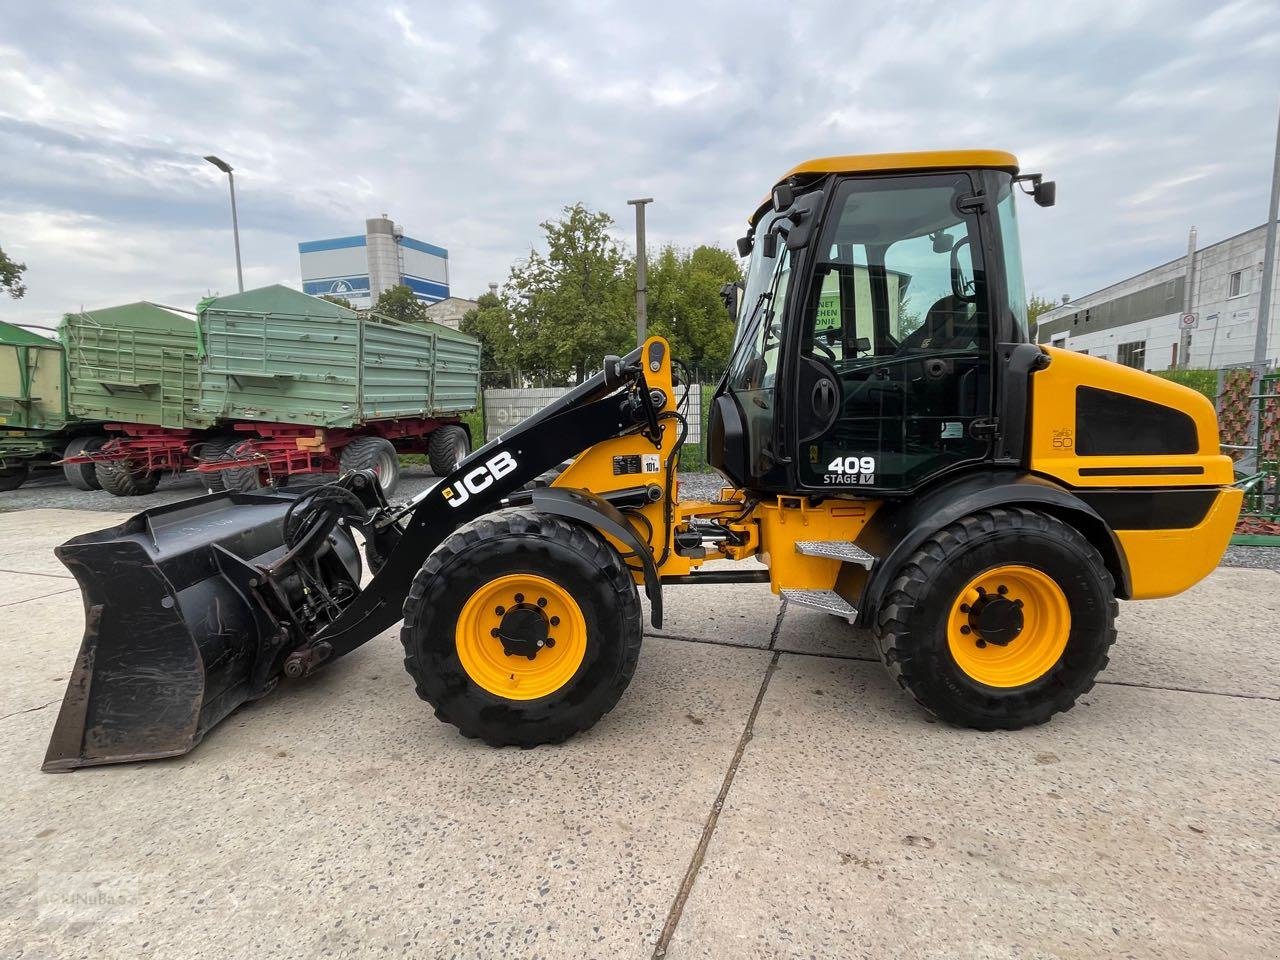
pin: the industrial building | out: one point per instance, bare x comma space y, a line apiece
1139, 321
361, 267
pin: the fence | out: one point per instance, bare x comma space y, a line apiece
505, 407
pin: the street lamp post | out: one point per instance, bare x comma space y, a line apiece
642, 272
235, 224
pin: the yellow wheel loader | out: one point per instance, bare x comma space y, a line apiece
896, 453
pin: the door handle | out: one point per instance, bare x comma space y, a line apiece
824, 399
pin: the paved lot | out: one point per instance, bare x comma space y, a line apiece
762, 790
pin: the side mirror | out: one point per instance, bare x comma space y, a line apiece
783, 197
862, 345
744, 246
731, 296
1045, 193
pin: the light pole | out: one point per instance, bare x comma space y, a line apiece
235, 224
642, 272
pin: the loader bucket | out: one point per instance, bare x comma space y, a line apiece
176, 636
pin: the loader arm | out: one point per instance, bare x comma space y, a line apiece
592, 413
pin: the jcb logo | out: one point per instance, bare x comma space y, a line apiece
482, 477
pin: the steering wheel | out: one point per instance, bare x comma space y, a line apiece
962, 288
825, 347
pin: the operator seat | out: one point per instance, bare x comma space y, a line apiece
950, 324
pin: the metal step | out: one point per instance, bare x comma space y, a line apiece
836, 550
828, 601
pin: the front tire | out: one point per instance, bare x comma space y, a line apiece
1000, 620
486, 597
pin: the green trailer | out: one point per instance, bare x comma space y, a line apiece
278, 355
33, 392
135, 368
307, 386
134, 364
35, 426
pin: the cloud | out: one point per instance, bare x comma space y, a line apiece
471, 122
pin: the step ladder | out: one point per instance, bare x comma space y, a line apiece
828, 601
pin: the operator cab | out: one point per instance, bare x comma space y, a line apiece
877, 292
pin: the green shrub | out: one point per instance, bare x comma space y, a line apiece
1202, 381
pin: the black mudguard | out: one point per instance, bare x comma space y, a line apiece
899, 527
586, 508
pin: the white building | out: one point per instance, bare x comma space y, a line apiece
1137, 321
359, 268
451, 311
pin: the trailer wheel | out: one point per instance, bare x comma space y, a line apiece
82, 476
118, 479
376, 454
999, 620
11, 478
210, 451
447, 447
522, 629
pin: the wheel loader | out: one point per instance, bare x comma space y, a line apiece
896, 452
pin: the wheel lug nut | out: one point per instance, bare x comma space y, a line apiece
964, 608
1017, 603
519, 598
551, 641
500, 611
555, 621
981, 644
966, 630
493, 632
542, 601
541, 643
1002, 589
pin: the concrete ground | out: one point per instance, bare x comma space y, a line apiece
762, 790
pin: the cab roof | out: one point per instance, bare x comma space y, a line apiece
898, 163
920, 160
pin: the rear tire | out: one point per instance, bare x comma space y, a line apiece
447, 447
11, 478
82, 476
119, 480
931, 644
461, 672
376, 454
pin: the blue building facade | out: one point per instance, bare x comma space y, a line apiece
361, 267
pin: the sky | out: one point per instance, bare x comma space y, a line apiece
470, 123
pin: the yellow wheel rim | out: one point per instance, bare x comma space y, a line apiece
1009, 626
498, 633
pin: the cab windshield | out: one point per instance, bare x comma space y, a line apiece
754, 360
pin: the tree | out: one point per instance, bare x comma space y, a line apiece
489, 323
685, 305
11, 277
1037, 305
340, 301
571, 306
400, 303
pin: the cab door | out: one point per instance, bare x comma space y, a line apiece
893, 372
